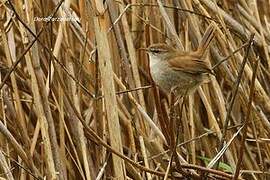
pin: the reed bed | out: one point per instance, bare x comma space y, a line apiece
77, 100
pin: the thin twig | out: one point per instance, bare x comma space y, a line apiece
228, 57
21, 166
236, 87
21, 57
46, 48
248, 118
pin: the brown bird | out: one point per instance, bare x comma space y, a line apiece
180, 72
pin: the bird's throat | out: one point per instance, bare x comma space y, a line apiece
154, 60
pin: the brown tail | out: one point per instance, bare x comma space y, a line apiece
206, 39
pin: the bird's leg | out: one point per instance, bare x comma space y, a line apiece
172, 118
178, 98
175, 121
172, 97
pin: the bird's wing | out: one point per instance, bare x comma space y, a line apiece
189, 63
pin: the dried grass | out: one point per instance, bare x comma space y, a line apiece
77, 101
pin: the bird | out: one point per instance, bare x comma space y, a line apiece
180, 72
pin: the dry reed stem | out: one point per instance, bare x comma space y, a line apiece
108, 89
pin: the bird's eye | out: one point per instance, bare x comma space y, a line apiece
155, 50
